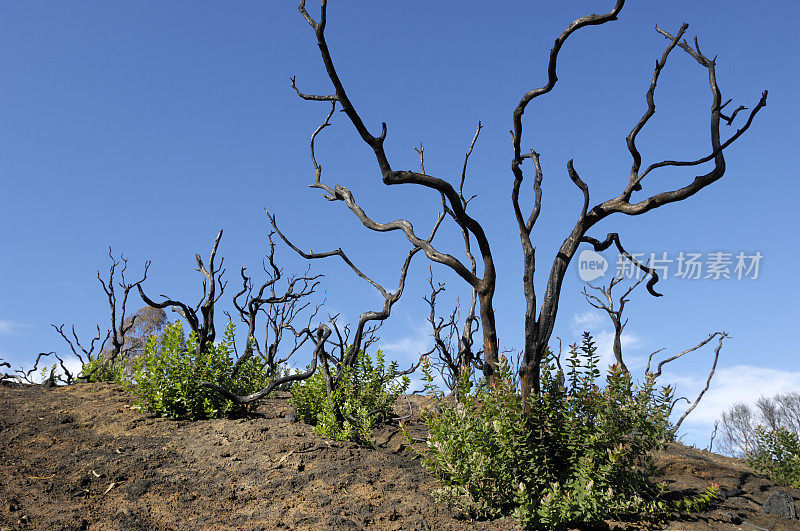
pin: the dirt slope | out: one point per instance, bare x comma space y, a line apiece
79, 457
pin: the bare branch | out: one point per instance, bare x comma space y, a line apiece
451, 362
117, 332
676, 356
281, 310
722, 336
613, 237
82, 351
651, 110
464, 167
389, 298
552, 78
717, 146
311, 97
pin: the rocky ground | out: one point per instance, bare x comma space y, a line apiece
80, 457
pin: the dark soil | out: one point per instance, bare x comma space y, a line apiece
80, 457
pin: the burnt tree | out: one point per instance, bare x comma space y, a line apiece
614, 312
452, 351
538, 325
279, 307
204, 329
335, 347
120, 325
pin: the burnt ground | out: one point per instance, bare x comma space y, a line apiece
80, 457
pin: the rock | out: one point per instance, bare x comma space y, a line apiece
730, 493
780, 503
729, 518
291, 416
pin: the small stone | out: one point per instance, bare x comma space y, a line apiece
291, 416
730, 493
781, 504
730, 518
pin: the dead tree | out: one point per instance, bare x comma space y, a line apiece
538, 328
452, 348
120, 326
452, 363
84, 355
451, 198
53, 378
212, 276
280, 309
615, 314
336, 347
334, 350
119, 331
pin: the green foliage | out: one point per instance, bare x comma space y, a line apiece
48, 372
167, 376
146, 322
101, 370
777, 454
579, 457
365, 392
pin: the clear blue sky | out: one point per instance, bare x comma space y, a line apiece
148, 126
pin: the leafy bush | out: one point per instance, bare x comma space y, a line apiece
777, 454
166, 378
365, 392
100, 369
580, 456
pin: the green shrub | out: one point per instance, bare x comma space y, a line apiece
580, 457
777, 454
166, 378
366, 392
102, 370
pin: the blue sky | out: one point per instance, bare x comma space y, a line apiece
148, 126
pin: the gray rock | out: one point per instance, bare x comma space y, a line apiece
290, 416
781, 504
